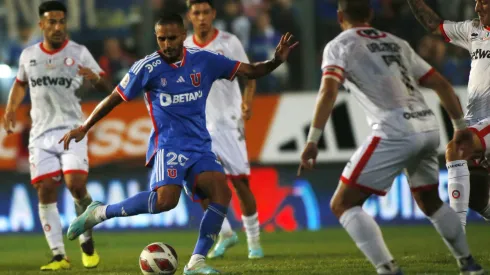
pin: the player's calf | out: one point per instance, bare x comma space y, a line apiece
346, 205
250, 216
213, 186
447, 224
50, 216
77, 184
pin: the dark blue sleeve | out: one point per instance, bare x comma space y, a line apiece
222, 67
133, 82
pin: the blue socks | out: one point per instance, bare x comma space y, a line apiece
210, 227
141, 203
145, 202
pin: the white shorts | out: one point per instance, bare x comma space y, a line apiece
375, 164
482, 130
48, 159
231, 149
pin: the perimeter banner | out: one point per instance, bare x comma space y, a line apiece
284, 201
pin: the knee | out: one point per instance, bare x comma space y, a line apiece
221, 192
339, 205
241, 186
428, 201
46, 191
78, 191
166, 203
45, 187
224, 193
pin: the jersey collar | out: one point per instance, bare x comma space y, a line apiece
55, 51
216, 32
177, 64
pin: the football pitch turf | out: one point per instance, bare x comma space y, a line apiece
418, 249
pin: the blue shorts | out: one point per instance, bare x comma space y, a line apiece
181, 168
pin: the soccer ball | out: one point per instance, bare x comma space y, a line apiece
158, 258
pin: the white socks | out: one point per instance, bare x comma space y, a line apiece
363, 229
252, 228
99, 214
445, 221
51, 223
459, 188
196, 258
226, 230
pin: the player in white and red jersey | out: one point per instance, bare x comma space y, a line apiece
383, 73
474, 36
53, 70
225, 112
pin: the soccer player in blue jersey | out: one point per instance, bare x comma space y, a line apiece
178, 81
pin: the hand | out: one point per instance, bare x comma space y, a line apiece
464, 143
9, 121
76, 134
88, 74
309, 153
284, 47
246, 111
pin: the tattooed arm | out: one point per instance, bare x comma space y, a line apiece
426, 16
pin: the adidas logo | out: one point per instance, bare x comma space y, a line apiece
123, 212
180, 80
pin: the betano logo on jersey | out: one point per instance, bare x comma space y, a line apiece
167, 99
480, 54
51, 81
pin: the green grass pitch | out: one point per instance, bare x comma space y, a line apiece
418, 249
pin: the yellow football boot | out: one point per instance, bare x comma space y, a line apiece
90, 257
57, 263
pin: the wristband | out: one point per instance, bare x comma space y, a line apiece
314, 135
459, 124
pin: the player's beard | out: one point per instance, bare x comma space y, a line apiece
56, 44
173, 54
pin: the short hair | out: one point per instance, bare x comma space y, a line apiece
170, 18
193, 2
51, 6
356, 10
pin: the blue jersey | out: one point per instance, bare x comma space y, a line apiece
176, 97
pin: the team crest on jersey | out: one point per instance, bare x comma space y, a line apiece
50, 64
371, 33
164, 81
33, 62
172, 173
486, 36
69, 61
196, 79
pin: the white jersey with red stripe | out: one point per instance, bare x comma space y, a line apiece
382, 72
53, 81
475, 38
223, 109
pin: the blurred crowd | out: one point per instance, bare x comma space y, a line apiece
259, 24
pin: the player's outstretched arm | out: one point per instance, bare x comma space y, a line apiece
329, 89
426, 16
261, 69
102, 109
17, 94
